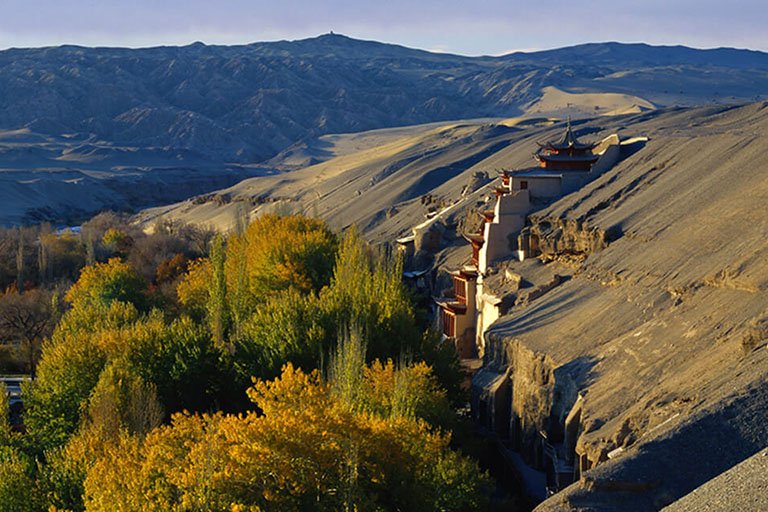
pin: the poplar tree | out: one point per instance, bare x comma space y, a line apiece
20, 261
217, 303
241, 280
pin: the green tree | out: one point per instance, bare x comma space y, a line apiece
181, 361
218, 314
69, 369
366, 290
18, 491
5, 413
290, 326
105, 282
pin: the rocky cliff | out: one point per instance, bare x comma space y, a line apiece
653, 354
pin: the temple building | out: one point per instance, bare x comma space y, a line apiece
568, 154
565, 165
457, 313
490, 284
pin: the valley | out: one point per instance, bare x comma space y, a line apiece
288, 202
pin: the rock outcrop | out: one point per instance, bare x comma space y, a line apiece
644, 374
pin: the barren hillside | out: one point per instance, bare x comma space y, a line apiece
166, 121
662, 333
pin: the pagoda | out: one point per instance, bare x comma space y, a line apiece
568, 154
565, 165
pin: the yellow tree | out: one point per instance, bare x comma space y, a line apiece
105, 282
281, 253
292, 456
193, 289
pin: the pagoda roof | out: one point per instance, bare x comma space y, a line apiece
587, 157
475, 239
451, 304
569, 141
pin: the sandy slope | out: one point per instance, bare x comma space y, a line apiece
368, 175
556, 102
650, 330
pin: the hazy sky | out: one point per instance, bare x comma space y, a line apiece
470, 27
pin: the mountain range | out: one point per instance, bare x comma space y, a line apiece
105, 112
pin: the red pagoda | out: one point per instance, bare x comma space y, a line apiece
568, 154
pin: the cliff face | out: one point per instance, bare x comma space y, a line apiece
661, 327
554, 237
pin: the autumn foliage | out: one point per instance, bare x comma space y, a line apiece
307, 451
329, 395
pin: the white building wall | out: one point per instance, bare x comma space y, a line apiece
516, 202
609, 150
487, 313
497, 239
509, 218
544, 187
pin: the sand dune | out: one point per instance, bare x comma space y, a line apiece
555, 102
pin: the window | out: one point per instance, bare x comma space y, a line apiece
523, 185
448, 324
460, 289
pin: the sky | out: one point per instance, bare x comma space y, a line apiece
468, 27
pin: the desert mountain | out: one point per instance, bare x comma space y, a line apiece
168, 121
246, 103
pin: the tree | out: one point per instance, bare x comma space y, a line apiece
70, 366
20, 262
193, 290
406, 391
180, 360
5, 415
171, 269
218, 313
105, 282
60, 255
117, 242
367, 291
27, 318
282, 252
306, 451
289, 326
18, 492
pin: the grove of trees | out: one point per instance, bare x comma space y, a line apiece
282, 368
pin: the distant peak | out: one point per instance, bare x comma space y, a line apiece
335, 36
